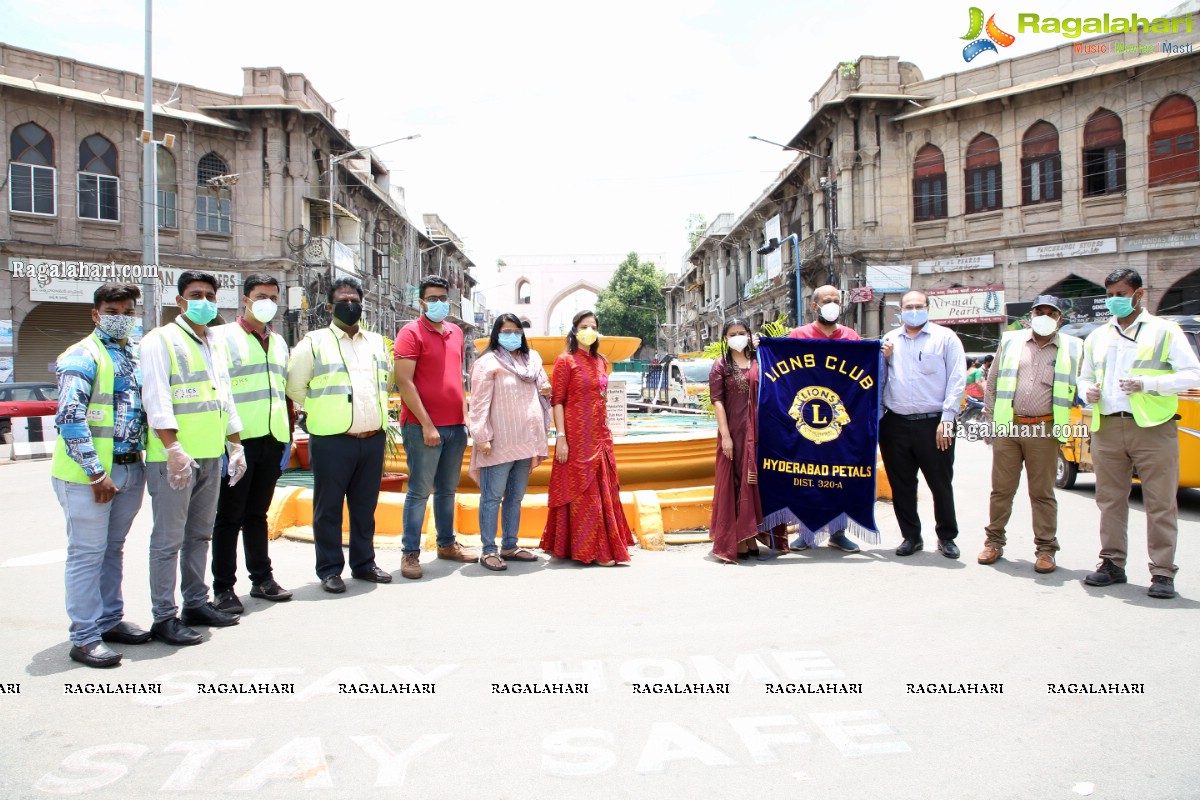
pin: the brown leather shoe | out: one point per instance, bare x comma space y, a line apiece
456, 552
991, 554
410, 566
1044, 563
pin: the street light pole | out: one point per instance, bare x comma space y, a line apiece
149, 187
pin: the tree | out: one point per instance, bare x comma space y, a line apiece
627, 306
696, 225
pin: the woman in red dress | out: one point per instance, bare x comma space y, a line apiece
585, 520
736, 509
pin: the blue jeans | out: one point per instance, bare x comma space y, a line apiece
433, 469
95, 549
505, 482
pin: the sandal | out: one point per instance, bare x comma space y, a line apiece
493, 562
520, 554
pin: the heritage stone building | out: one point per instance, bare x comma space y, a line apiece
1020, 177
245, 188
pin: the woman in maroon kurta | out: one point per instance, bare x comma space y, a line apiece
585, 520
736, 509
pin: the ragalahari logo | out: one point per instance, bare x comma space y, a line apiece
995, 36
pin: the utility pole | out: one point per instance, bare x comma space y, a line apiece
149, 188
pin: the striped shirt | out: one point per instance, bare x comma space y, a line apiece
506, 411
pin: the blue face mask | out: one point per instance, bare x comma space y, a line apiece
915, 317
1119, 306
201, 312
437, 311
510, 341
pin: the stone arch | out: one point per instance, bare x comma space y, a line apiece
563, 294
1183, 297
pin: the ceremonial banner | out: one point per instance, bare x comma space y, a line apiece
818, 429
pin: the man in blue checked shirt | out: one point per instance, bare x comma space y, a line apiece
97, 472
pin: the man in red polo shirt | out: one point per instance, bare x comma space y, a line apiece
429, 366
826, 307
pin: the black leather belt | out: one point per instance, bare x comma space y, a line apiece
915, 417
127, 458
1127, 414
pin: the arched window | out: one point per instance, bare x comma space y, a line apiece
929, 184
1103, 155
32, 179
99, 186
1173, 153
168, 189
1041, 165
984, 192
214, 203
524, 293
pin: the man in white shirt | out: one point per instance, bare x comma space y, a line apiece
1133, 369
190, 412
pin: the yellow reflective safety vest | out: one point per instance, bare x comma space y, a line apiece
1066, 377
1151, 359
329, 401
258, 381
196, 401
100, 416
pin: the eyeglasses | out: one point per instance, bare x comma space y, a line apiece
438, 299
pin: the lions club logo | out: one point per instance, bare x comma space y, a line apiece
819, 413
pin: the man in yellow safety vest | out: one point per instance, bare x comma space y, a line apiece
1031, 387
190, 412
1133, 370
257, 358
97, 472
341, 375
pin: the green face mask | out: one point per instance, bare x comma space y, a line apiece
1119, 307
201, 312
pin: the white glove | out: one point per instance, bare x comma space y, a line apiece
237, 461
180, 467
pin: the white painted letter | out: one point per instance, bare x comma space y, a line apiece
808, 665
392, 765
833, 725
300, 760
669, 742
591, 672
652, 670
413, 675
329, 683
587, 761
198, 754
183, 684
759, 743
102, 772
745, 668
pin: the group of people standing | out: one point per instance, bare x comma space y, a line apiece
1130, 370
204, 418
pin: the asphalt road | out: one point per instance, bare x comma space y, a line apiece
863, 627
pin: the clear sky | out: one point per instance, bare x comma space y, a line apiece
548, 127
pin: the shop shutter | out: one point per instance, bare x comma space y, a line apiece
44, 334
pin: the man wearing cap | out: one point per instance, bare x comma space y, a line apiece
826, 309
1134, 367
1031, 387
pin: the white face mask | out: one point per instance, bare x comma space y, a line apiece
738, 342
264, 310
830, 312
1043, 325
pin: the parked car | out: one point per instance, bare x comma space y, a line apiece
633, 384
26, 400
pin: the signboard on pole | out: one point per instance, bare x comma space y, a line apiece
618, 421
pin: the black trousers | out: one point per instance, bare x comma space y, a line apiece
244, 507
345, 469
908, 446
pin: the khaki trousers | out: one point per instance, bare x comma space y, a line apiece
1118, 448
1039, 454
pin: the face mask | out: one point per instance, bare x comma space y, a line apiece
738, 342
830, 312
586, 336
915, 317
510, 341
1119, 306
201, 312
118, 326
264, 310
347, 312
1043, 325
437, 311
